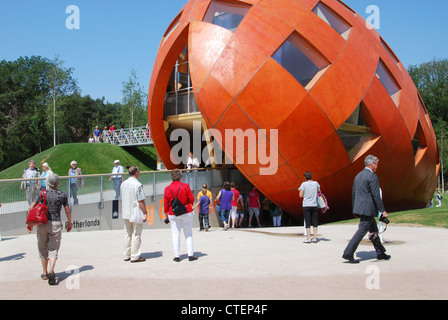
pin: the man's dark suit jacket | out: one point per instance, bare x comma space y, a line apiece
366, 199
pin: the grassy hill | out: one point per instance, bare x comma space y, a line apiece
92, 158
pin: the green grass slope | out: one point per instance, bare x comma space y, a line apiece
92, 158
427, 217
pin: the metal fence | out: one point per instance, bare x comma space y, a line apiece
129, 136
100, 188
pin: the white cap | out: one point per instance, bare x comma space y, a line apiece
117, 161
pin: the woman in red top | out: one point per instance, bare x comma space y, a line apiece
182, 191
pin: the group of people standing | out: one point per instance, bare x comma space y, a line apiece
131, 190
367, 203
103, 135
231, 207
33, 187
107, 135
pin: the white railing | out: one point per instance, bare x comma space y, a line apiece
98, 188
128, 136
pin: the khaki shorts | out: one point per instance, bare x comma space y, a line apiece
254, 211
49, 239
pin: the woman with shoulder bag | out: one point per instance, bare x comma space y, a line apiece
49, 234
181, 192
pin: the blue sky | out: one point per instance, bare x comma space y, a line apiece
115, 36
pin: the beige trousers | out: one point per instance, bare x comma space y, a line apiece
49, 239
132, 240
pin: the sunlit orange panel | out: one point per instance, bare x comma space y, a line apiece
318, 87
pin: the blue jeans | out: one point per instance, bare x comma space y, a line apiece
117, 185
74, 192
203, 221
225, 215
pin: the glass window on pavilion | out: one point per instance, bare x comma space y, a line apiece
179, 98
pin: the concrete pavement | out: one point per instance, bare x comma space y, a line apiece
240, 264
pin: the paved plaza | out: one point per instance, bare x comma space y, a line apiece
240, 264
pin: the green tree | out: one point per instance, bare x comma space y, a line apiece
25, 94
61, 84
134, 102
23, 98
431, 79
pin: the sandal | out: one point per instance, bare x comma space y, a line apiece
138, 260
51, 278
307, 241
314, 240
44, 276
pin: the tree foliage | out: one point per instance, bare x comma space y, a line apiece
431, 79
134, 102
41, 105
24, 96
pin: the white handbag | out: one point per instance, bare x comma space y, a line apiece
137, 216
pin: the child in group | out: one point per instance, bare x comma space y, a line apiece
204, 209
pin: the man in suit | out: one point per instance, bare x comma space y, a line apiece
366, 201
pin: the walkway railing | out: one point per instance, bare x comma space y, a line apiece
100, 188
128, 136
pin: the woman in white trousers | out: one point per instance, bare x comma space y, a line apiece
182, 192
184, 222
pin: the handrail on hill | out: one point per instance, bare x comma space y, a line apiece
136, 136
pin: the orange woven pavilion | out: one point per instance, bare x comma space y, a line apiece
312, 72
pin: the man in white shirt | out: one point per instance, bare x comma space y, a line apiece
132, 191
31, 186
118, 178
192, 163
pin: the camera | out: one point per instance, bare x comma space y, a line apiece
384, 219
